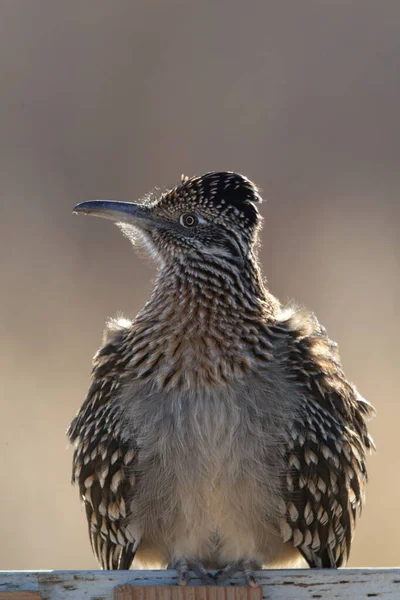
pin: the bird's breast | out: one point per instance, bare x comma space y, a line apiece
192, 354
206, 466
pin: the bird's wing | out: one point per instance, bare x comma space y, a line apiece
103, 462
325, 455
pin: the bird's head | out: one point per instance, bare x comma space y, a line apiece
209, 217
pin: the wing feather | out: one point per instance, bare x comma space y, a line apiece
103, 463
325, 456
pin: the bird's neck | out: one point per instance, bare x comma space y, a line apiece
212, 294
204, 325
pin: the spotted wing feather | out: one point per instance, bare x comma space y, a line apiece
103, 462
325, 455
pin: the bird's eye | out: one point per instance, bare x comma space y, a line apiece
189, 220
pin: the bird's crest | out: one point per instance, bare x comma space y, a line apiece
221, 189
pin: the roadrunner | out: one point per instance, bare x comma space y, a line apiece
219, 431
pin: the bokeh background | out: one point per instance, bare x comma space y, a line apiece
108, 99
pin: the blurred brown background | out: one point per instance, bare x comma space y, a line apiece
107, 99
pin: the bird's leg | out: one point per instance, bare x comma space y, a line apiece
246, 566
201, 572
183, 568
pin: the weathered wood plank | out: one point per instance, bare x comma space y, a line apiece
296, 584
176, 592
20, 596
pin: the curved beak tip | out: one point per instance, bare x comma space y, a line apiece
80, 208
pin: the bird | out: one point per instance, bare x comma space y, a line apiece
219, 433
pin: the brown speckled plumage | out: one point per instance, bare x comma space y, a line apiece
219, 430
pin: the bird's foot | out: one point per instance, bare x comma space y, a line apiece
246, 566
183, 568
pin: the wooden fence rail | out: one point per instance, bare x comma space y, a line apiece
296, 584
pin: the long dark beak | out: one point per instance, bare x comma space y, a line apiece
120, 212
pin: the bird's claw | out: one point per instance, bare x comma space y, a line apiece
246, 566
183, 568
